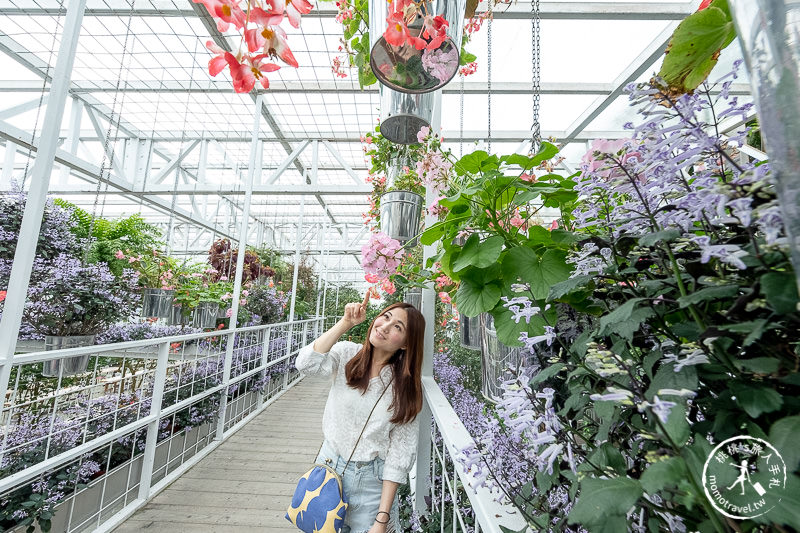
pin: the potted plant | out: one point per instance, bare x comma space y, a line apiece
268, 303
69, 303
157, 278
200, 297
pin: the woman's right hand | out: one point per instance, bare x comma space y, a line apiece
356, 313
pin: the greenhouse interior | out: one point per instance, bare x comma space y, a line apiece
557, 241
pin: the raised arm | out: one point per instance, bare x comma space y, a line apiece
354, 314
322, 357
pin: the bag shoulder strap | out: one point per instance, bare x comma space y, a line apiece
365, 424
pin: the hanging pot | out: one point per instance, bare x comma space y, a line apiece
176, 317
400, 214
499, 362
157, 303
67, 366
469, 331
403, 115
405, 68
768, 34
414, 297
205, 315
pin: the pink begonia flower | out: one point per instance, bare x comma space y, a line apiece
554, 225
387, 286
517, 220
243, 301
273, 41
423, 132
531, 178
371, 278
445, 297
119, 255
229, 312
295, 8
435, 29
245, 292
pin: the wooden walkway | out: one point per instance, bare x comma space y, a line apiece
245, 484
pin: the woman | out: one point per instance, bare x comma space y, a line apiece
391, 359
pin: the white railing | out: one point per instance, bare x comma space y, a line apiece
461, 501
103, 443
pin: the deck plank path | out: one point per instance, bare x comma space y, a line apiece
245, 484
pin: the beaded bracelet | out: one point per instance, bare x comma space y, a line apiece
388, 517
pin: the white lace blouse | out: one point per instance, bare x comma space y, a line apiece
346, 411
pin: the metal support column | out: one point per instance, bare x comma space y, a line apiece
419, 482
297, 255
237, 284
37, 196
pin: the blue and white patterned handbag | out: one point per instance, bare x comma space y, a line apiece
319, 504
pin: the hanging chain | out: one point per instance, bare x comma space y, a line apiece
489, 78
41, 99
536, 130
105, 170
461, 126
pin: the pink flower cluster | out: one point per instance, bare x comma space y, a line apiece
605, 158
258, 23
434, 29
433, 169
381, 256
336, 67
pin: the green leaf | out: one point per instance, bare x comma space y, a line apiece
471, 163
756, 399
508, 331
439, 230
539, 272
547, 373
667, 235
677, 427
602, 499
784, 435
479, 254
479, 290
607, 456
565, 287
666, 473
709, 293
694, 48
780, 290
758, 365
787, 510
564, 237
625, 320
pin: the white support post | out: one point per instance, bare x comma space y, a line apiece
321, 260
8, 166
420, 475
297, 256
146, 479
73, 137
263, 360
37, 196
237, 284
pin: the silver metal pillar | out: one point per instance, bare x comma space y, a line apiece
37, 196
297, 255
237, 284
419, 482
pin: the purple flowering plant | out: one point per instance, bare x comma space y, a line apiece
663, 314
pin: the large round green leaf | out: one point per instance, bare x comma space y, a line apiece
479, 254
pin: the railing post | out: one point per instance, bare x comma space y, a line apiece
226, 378
264, 360
145, 481
37, 195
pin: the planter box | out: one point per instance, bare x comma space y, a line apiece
120, 486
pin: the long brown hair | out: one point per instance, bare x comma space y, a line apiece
406, 367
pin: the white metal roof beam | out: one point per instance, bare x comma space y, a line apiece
642, 63
518, 10
325, 87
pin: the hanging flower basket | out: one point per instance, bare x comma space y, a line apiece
499, 362
403, 115
157, 303
469, 332
417, 48
400, 214
414, 297
205, 315
67, 366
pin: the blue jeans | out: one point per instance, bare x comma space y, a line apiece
362, 483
